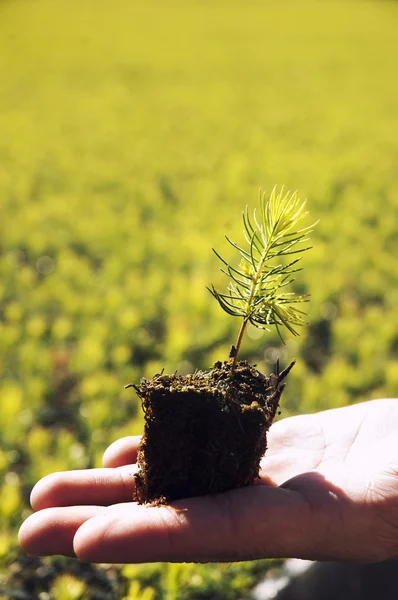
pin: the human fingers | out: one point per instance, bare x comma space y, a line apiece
51, 531
122, 452
242, 524
86, 486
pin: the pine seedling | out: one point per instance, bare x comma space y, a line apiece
257, 289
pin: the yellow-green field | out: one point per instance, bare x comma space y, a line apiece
132, 135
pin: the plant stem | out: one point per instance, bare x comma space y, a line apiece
238, 343
255, 280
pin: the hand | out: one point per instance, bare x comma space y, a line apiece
328, 491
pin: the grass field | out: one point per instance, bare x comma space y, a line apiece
132, 135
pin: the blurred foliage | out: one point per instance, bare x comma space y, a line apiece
131, 137
58, 578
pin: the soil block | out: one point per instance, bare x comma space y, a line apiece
206, 432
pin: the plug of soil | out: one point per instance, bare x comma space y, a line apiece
206, 432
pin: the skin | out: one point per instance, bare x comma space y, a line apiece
328, 491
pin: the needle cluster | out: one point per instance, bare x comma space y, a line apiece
257, 288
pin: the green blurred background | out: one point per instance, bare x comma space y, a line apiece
132, 135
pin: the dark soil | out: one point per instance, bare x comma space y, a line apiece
206, 432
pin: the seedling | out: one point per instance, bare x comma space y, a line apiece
206, 432
256, 291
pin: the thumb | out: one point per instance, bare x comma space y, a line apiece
244, 524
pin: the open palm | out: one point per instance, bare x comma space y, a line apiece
328, 491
